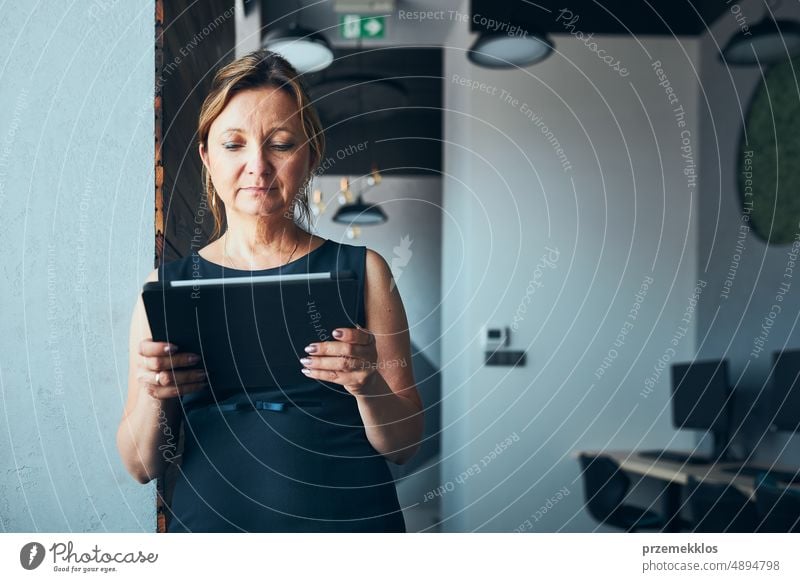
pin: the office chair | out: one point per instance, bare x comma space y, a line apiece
605, 488
778, 507
720, 507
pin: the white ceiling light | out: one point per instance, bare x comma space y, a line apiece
306, 50
501, 51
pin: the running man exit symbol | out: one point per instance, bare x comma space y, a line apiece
354, 26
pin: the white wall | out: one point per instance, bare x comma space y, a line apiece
76, 196
618, 209
729, 323
248, 28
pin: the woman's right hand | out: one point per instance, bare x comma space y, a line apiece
164, 372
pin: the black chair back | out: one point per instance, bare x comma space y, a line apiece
720, 507
605, 485
778, 507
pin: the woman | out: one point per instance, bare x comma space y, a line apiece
317, 468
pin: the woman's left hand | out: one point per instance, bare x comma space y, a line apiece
350, 360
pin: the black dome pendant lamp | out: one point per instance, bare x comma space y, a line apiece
359, 212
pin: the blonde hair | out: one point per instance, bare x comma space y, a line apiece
261, 68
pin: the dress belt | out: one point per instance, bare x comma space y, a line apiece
263, 405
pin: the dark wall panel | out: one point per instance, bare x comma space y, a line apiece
199, 37
389, 99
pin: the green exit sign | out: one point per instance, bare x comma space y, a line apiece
358, 26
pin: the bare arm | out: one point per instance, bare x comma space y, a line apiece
390, 405
147, 436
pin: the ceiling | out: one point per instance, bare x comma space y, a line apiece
640, 17
399, 31
389, 100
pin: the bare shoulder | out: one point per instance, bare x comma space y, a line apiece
383, 303
378, 271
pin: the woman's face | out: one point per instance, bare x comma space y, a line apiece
257, 154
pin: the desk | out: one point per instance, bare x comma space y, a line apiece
676, 476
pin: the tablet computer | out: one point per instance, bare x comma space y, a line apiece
251, 331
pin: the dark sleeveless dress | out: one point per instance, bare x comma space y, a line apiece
281, 459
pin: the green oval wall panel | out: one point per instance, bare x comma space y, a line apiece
771, 146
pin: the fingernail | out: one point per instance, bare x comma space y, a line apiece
305, 361
337, 333
170, 349
194, 358
311, 349
305, 371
